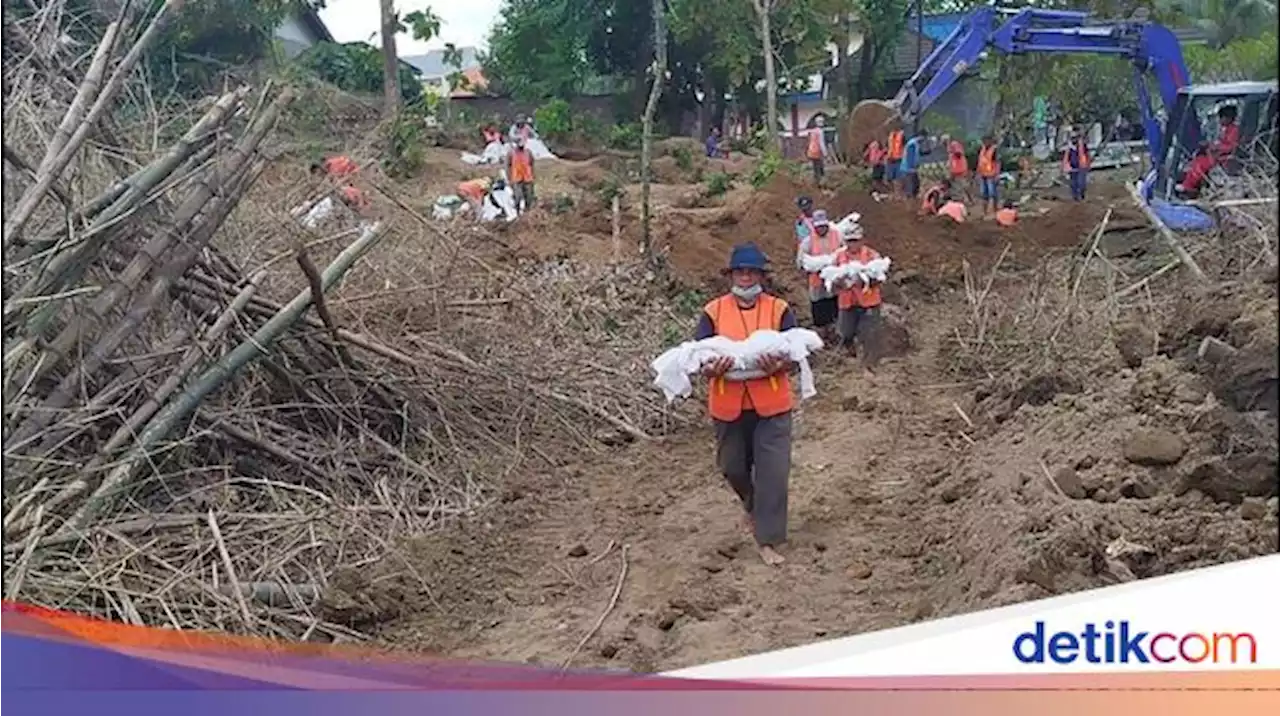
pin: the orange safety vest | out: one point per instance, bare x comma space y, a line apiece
955, 210
959, 162
1007, 217
352, 195
521, 165
815, 143
1084, 157
896, 144
988, 165
473, 189
340, 166
865, 297
768, 396
820, 246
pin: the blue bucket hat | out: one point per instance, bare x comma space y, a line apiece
747, 256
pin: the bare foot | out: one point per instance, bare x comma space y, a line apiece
771, 556
749, 525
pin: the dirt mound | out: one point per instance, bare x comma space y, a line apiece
870, 119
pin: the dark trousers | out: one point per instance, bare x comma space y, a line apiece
754, 455
861, 325
911, 184
522, 192
819, 169
1079, 183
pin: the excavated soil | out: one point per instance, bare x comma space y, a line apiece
914, 496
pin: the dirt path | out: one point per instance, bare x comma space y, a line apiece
695, 590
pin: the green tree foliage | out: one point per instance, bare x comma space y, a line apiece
1244, 59
356, 67
537, 49
1224, 21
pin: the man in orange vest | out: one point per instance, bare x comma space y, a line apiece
989, 174
934, 197
958, 164
1008, 216
520, 174
897, 146
874, 156
817, 150
824, 239
338, 168
1075, 164
474, 192
859, 304
752, 411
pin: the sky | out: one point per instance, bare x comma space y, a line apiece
462, 22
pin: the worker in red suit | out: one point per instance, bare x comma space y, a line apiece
1210, 156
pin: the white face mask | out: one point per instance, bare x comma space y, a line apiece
747, 293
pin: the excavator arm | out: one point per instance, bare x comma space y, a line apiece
1149, 47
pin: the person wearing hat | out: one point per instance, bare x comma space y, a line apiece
752, 411
824, 239
859, 303
804, 222
522, 129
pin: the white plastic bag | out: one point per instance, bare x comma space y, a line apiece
318, 213
499, 204
876, 270
674, 366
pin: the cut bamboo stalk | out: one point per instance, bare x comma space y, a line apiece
38, 323
69, 387
1165, 233
157, 399
65, 267
150, 254
159, 427
86, 93
31, 198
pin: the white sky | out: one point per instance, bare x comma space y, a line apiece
462, 22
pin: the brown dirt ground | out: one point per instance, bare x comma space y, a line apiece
913, 496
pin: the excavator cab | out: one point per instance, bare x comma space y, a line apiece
1192, 124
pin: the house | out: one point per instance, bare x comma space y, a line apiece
302, 29
435, 71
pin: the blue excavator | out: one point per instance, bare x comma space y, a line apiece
1174, 131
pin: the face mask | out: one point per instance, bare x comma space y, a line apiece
748, 293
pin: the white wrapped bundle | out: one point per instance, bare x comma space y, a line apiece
539, 149
876, 270
674, 367
814, 264
849, 224
500, 204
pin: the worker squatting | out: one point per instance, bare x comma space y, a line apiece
342, 173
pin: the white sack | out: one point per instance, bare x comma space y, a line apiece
674, 367
505, 208
496, 152
321, 211
876, 270
539, 149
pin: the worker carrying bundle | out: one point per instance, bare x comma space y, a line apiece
752, 343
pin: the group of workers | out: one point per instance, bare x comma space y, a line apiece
752, 416
519, 168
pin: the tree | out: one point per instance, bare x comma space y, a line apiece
390, 60
646, 147
764, 8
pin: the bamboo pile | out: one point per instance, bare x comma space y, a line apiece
186, 443
175, 442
